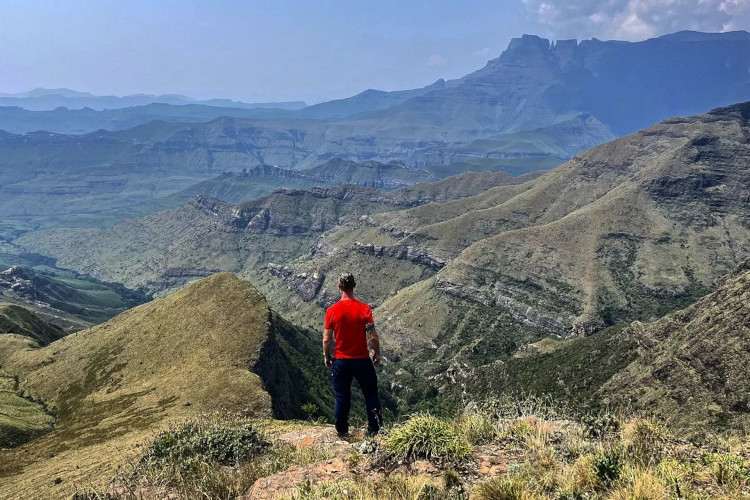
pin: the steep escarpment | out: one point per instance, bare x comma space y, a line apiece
688, 368
21, 321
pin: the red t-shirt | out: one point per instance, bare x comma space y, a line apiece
348, 318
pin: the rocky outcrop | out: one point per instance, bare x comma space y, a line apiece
306, 285
545, 316
19, 281
402, 252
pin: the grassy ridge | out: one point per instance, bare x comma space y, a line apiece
183, 355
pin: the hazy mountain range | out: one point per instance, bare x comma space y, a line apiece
42, 99
605, 88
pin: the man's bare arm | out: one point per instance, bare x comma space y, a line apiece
327, 347
373, 342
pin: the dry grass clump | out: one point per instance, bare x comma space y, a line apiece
645, 440
640, 483
633, 458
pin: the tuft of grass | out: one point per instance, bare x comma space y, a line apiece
504, 488
645, 440
640, 483
426, 437
518, 431
578, 479
478, 428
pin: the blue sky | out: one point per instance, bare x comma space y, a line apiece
309, 50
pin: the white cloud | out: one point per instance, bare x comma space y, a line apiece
637, 19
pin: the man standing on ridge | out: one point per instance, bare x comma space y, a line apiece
356, 354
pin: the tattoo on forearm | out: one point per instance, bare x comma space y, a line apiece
373, 341
326, 343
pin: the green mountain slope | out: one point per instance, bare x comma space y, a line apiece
689, 368
630, 230
692, 366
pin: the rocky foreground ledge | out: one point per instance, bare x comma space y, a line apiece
479, 455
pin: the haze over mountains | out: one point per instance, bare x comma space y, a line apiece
572, 221
42, 99
533, 107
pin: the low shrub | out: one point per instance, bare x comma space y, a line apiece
728, 469
426, 437
608, 464
600, 425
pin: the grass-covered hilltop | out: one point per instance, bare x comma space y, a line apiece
213, 346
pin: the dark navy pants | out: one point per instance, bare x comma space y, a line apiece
343, 372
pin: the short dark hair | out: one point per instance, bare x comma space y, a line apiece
346, 282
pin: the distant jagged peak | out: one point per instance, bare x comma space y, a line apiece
527, 41
529, 44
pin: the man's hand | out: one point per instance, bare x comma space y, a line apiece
327, 345
373, 343
376, 360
